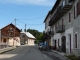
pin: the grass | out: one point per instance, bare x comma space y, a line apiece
73, 57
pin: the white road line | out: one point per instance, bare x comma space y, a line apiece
45, 56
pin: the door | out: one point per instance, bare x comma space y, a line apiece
55, 44
63, 44
70, 42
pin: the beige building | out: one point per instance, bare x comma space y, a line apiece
27, 38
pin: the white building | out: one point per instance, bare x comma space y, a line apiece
64, 20
27, 38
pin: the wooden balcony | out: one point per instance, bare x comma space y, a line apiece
2, 43
61, 10
60, 29
6, 35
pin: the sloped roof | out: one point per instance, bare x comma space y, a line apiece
11, 25
29, 35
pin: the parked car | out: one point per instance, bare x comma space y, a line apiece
22, 43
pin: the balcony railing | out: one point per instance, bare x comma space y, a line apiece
60, 29
6, 35
60, 12
48, 34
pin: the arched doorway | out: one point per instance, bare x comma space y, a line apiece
63, 43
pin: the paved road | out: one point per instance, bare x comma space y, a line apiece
27, 53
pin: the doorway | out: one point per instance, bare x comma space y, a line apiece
63, 44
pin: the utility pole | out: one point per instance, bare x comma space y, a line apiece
25, 27
14, 31
25, 33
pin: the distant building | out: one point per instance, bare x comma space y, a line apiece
10, 36
27, 38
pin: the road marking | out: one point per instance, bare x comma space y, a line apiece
45, 56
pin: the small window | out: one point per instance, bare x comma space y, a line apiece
4, 41
69, 17
23, 36
75, 40
58, 42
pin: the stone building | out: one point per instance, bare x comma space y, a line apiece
64, 21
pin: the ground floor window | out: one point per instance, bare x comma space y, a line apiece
75, 40
4, 40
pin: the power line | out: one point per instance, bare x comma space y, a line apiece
29, 24
20, 21
32, 18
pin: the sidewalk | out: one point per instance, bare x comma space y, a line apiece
6, 49
60, 55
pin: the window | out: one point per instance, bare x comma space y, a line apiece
58, 42
23, 36
58, 24
69, 17
10, 33
77, 9
62, 21
75, 40
74, 12
4, 41
64, 3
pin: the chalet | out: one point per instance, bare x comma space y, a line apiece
10, 36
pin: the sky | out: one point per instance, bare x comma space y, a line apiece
29, 12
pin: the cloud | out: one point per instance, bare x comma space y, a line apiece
34, 2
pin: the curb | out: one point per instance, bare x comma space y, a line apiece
6, 49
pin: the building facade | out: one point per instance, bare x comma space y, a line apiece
10, 36
64, 21
48, 32
27, 38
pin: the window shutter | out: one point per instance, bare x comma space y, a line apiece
69, 17
74, 12
78, 8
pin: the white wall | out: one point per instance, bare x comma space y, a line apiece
16, 42
56, 37
67, 32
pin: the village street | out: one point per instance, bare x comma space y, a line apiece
29, 53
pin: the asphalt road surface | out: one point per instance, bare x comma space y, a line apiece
27, 53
